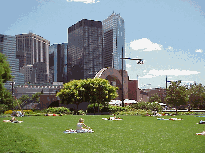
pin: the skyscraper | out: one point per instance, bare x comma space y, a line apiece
113, 41
58, 62
84, 49
31, 49
8, 48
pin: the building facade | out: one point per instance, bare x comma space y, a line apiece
31, 49
8, 48
27, 71
39, 74
84, 49
113, 41
58, 62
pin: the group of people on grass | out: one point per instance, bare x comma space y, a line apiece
81, 127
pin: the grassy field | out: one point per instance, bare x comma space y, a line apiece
132, 134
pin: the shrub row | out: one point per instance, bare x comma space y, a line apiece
25, 111
58, 110
147, 106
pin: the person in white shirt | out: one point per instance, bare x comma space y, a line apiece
81, 127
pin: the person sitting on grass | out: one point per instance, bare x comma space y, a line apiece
81, 126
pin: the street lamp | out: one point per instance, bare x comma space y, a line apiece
12, 84
169, 81
140, 61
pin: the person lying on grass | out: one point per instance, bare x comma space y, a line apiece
175, 119
13, 120
81, 127
112, 118
53, 115
202, 133
201, 122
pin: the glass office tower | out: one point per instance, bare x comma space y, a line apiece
58, 62
84, 49
113, 41
8, 48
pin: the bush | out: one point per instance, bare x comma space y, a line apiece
90, 108
58, 110
147, 106
81, 112
135, 112
106, 108
3, 107
8, 112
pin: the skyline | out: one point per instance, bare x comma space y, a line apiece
168, 35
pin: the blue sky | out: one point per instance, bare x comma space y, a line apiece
168, 34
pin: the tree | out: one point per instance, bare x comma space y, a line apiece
176, 94
23, 99
155, 98
5, 71
72, 92
197, 96
99, 91
6, 98
90, 90
36, 97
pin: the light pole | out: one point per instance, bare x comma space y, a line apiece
140, 62
12, 86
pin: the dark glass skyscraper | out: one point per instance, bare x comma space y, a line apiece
58, 62
84, 49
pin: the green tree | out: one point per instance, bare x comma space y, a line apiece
99, 91
155, 98
176, 95
197, 96
5, 71
23, 99
90, 90
36, 97
72, 92
6, 98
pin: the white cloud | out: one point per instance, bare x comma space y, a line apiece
145, 45
170, 48
175, 72
84, 1
199, 50
128, 65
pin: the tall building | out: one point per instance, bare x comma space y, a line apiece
52, 60
31, 49
8, 48
27, 71
113, 41
58, 62
84, 49
39, 74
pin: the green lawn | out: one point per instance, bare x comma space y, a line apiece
132, 134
